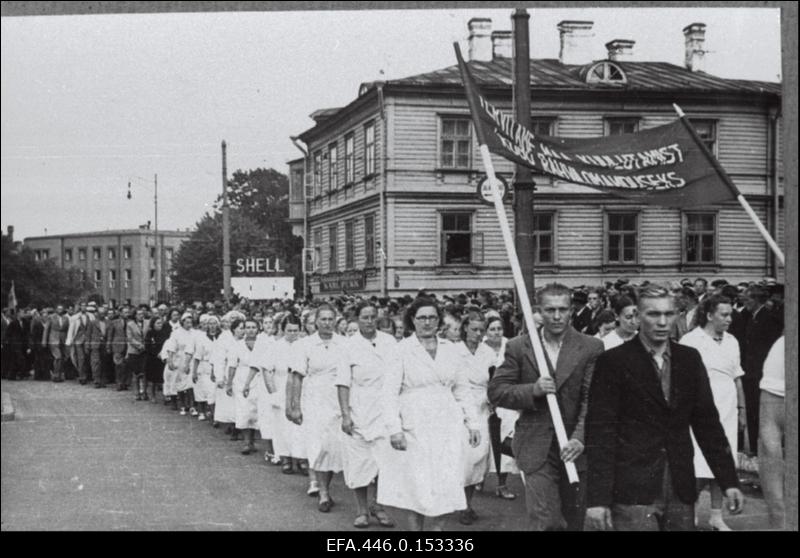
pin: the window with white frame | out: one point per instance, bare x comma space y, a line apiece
317, 249
112, 253
68, 254
700, 237
96, 254
369, 149
349, 244
369, 240
619, 126
112, 278
622, 236
333, 167
318, 173
707, 131
456, 239
455, 143
544, 237
333, 241
349, 159
126, 252
82, 254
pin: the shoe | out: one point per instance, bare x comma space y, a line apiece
718, 525
313, 488
472, 514
201, 417
183, 412
98, 386
287, 469
361, 521
275, 460
138, 397
268, 456
248, 449
81, 382
465, 518
193, 412
325, 505
380, 514
144, 397
503, 492
215, 424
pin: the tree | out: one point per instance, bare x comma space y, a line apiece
263, 196
40, 283
197, 270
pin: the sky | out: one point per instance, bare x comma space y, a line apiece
92, 102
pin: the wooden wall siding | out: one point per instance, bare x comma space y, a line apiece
339, 195
740, 242
580, 231
339, 219
741, 141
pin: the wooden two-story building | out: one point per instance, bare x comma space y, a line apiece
390, 206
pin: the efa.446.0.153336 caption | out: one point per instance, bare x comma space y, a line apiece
400, 545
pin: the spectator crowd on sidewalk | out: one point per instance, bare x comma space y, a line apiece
417, 399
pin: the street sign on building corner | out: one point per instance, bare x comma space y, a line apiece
485, 190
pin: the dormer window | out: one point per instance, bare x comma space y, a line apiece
606, 72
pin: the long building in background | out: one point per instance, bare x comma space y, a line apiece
390, 183
119, 264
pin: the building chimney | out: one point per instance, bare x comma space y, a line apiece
502, 44
480, 39
575, 42
695, 34
11, 233
620, 50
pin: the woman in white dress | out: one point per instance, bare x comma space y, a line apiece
224, 405
202, 373
360, 382
239, 363
288, 438
315, 405
476, 359
501, 421
426, 400
720, 352
180, 348
627, 323
262, 363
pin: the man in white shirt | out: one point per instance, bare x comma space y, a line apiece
772, 424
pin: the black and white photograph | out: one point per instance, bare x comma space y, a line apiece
372, 268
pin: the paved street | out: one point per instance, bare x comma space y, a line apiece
76, 458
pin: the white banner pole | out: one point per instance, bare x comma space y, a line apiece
536, 343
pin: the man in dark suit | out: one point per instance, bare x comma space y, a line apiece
96, 343
644, 397
760, 332
551, 503
581, 313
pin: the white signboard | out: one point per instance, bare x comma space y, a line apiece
263, 288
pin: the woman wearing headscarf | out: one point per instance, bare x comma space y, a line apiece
314, 402
427, 403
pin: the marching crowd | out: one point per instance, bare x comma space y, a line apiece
415, 400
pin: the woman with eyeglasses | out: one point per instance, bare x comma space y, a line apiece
428, 410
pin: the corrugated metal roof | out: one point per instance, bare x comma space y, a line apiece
551, 74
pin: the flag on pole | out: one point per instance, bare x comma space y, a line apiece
12, 297
666, 165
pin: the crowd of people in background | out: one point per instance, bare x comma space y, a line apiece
392, 391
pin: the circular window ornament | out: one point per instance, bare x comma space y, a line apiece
485, 190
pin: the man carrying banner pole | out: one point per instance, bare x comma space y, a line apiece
519, 282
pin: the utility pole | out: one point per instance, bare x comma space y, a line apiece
158, 248
523, 179
226, 231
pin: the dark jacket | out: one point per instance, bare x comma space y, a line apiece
761, 332
632, 432
512, 387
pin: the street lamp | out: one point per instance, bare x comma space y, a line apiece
155, 207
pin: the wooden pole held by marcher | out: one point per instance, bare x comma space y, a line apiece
533, 334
